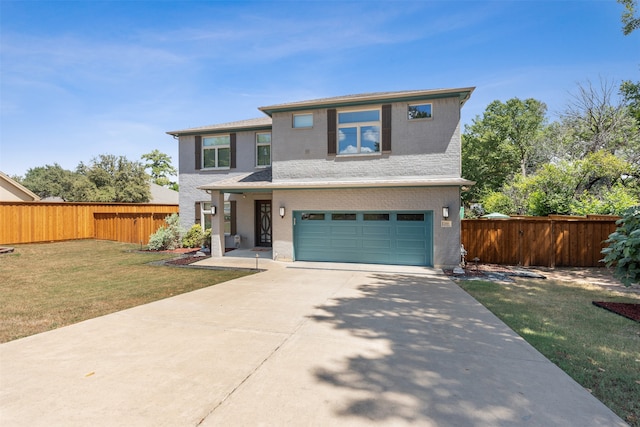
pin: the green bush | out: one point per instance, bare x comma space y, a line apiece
194, 237
166, 237
207, 238
498, 202
623, 251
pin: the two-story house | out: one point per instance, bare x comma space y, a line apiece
370, 178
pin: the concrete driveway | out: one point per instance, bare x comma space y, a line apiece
301, 344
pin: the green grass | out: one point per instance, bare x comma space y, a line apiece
46, 286
597, 348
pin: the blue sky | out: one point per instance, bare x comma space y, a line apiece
83, 78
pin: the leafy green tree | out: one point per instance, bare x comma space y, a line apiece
496, 201
600, 183
630, 22
611, 202
117, 179
551, 190
623, 251
50, 181
502, 143
160, 168
630, 93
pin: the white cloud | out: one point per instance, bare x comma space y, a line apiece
350, 149
371, 135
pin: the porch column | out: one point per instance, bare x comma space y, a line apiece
217, 224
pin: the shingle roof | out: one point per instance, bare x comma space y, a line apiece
346, 100
363, 98
260, 122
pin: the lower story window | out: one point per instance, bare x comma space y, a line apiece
203, 216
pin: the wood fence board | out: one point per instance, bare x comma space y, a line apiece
31, 222
554, 241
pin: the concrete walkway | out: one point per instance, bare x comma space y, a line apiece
302, 344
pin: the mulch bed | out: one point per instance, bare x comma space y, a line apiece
628, 310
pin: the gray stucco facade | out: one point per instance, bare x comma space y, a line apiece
417, 169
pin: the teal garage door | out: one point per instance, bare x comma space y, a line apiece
402, 238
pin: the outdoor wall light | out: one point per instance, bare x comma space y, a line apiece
213, 210
445, 212
281, 211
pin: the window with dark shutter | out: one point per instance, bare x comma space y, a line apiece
332, 140
232, 145
198, 152
198, 213
233, 217
386, 128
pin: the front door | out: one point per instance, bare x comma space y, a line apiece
263, 223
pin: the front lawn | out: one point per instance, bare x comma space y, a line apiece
597, 348
46, 286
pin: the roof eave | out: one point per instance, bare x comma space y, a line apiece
213, 130
462, 93
269, 186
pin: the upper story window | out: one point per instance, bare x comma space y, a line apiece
263, 149
359, 132
419, 111
301, 121
216, 152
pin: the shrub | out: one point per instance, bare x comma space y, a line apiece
194, 237
624, 247
166, 237
207, 238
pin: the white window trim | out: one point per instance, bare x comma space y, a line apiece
358, 125
293, 121
422, 118
216, 148
262, 145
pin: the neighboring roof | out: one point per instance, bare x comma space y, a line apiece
241, 125
11, 190
261, 181
163, 196
367, 98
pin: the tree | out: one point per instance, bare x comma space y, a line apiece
600, 183
592, 121
160, 168
117, 179
501, 143
630, 22
50, 181
630, 93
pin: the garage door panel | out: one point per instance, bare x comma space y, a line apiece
403, 230
411, 244
350, 230
364, 237
376, 230
344, 243
376, 244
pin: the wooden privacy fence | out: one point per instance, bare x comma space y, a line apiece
31, 222
554, 241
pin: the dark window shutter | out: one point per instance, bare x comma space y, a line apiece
232, 145
198, 213
233, 217
198, 152
332, 140
386, 127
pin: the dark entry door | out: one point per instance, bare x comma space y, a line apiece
263, 223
